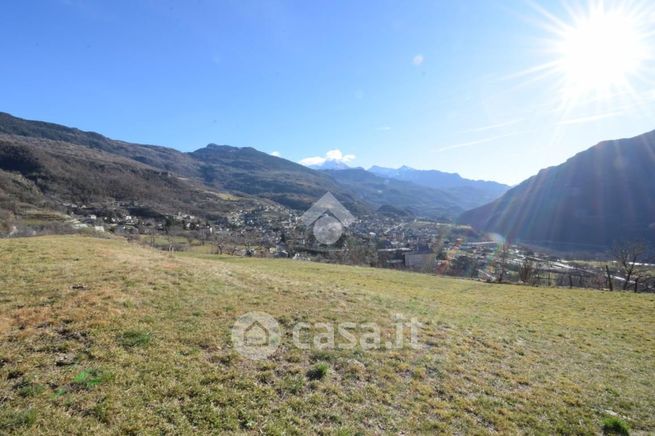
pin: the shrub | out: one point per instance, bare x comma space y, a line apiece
30, 389
11, 420
614, 425
318, 371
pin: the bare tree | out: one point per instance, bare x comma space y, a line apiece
356, 252
462, 266
628, 255
643, 276
610, 283
501, 263
526, 270
218, 242
648, 283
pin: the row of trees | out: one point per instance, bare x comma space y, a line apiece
631, 269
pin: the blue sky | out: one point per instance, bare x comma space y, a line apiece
429, 84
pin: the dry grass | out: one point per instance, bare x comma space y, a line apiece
107, 337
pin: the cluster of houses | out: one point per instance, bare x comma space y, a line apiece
116, 218
387, 242
406, 243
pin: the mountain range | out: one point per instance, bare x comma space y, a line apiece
601, 196
443, 187
45, 165
470, 193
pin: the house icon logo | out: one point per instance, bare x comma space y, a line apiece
256, 335
329, 218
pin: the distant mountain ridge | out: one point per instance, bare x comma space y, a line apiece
249, 173
55, 164
432, 177
469, 193
410, 197
602, 195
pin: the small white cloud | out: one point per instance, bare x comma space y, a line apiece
338, 156
331, 156
418, 60
316, 160
276, 153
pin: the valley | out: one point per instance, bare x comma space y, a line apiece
327, 218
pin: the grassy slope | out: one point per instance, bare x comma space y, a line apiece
503, 358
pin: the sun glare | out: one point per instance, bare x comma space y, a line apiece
600, 49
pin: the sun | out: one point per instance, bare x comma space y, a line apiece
601, 51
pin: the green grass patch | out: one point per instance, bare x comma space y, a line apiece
135, 338
13, 420
318, 371
29, 389
90, 378
615, 426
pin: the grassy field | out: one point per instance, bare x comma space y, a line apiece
104, 336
